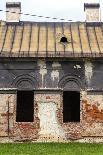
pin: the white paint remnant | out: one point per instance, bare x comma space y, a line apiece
55, 75
55, 72
88, 71
56, 64
77, 67
48, 121
8, 88
43, 70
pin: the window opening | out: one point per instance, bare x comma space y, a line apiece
71, 106
25, 106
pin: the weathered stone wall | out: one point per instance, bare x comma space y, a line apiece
48, 119
90, 127
49, 79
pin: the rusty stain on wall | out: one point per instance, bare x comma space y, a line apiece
93, 106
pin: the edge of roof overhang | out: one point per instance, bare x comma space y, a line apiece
33, 22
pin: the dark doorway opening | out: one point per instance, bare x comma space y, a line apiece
71, 106
25, 106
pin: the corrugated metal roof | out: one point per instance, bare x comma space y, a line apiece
31, 39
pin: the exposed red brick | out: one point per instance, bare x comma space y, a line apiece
93, 112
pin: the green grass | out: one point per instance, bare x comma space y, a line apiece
51, 149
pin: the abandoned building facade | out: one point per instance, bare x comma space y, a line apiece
51, 78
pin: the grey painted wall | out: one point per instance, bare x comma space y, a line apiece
51, 74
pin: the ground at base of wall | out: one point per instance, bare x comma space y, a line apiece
48, 140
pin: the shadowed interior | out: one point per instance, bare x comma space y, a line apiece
25, 106
71, 106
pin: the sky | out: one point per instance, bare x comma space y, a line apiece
68, 9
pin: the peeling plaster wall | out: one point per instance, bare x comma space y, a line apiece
55, 73
92, 114
48, 106
6, 114
48, 119
49, 126
96, 82
50, 115
47, 73
88, 71
42, 71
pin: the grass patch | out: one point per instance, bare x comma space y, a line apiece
51, 149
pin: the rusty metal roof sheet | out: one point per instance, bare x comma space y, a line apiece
32, 39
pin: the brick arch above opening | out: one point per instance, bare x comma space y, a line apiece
25, 81
70, 83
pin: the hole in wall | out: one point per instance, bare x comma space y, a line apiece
64, 40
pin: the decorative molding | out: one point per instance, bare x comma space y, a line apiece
25, 81
70, 83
